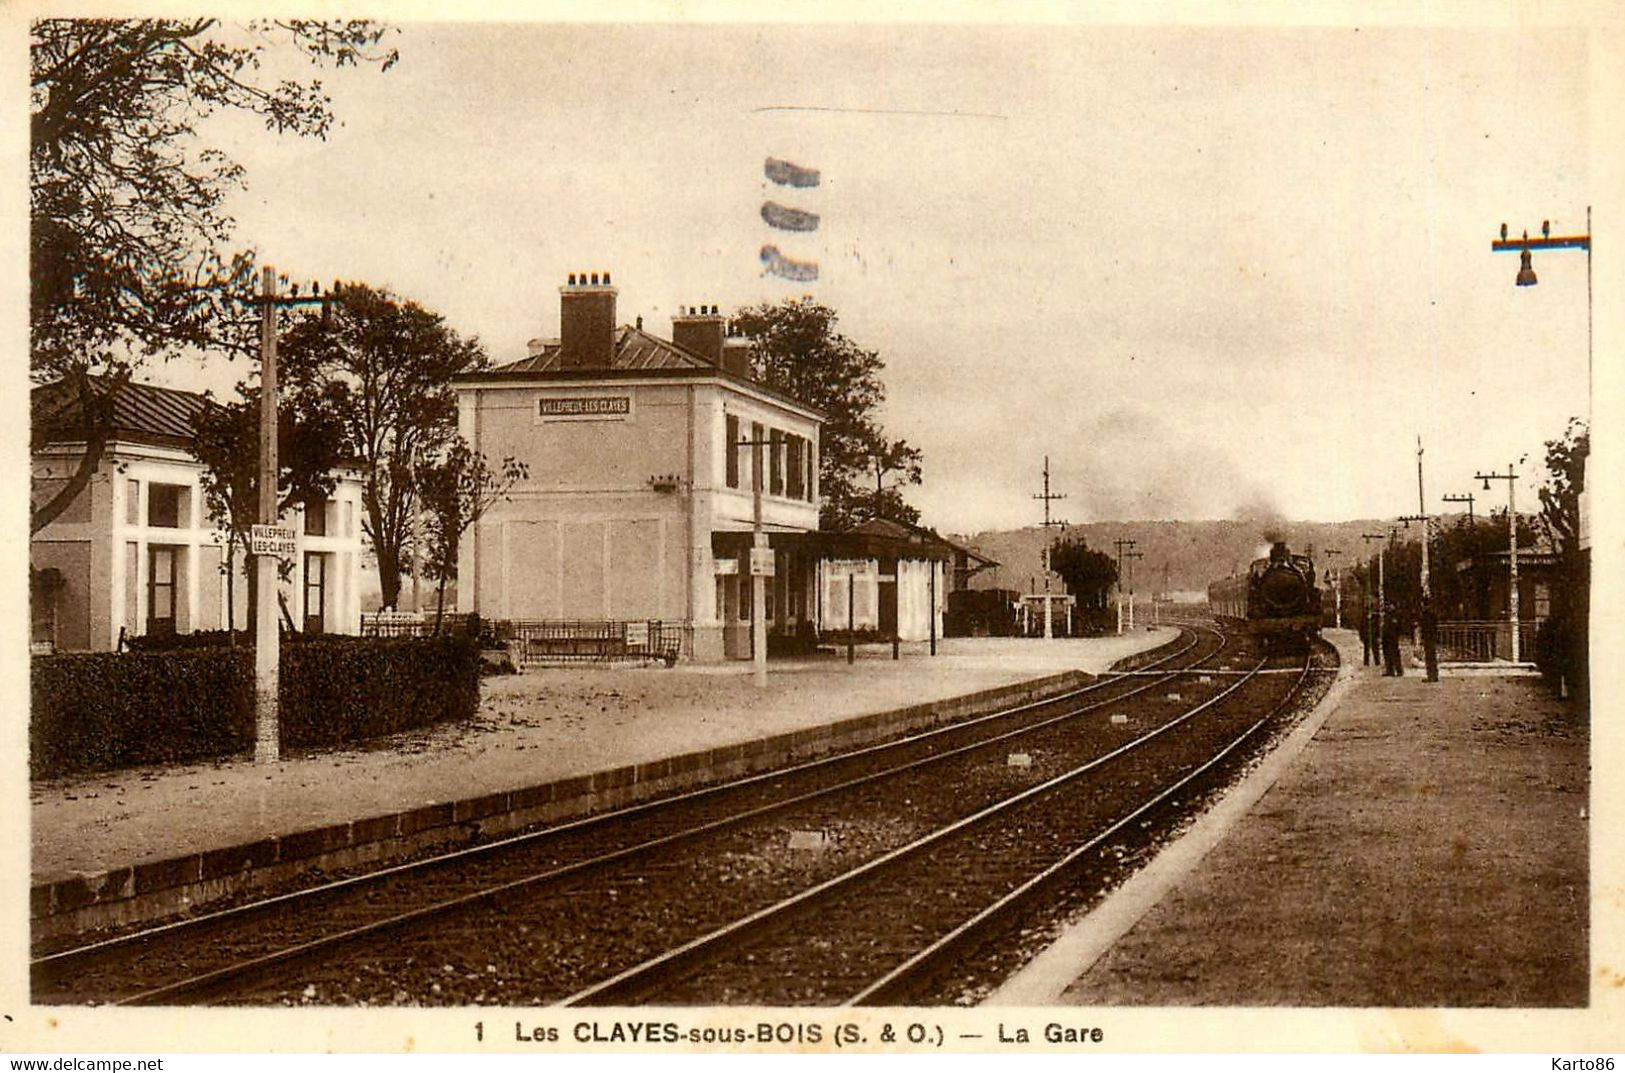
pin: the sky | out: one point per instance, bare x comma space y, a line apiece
1209, 272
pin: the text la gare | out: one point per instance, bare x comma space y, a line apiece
1053, 1033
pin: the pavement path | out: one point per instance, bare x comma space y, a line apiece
1428, 847
531, 728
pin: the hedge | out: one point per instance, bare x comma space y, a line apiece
174, 642
342, 691
104, 710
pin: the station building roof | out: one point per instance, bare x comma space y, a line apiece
635, 354
142, 413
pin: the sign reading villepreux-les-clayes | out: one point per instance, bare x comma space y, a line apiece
278, 540
603, 406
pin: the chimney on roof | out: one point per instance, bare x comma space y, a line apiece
699, 329
586, 322
736, 353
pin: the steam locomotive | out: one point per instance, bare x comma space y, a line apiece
1276, 599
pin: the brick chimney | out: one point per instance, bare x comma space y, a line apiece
586, 322
736, 352
699, 329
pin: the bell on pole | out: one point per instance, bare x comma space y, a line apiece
1526, 272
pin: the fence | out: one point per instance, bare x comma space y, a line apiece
1484, 642
606, 641
407, 623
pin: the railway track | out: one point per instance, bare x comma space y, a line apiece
867, 937
195, 958
571, 889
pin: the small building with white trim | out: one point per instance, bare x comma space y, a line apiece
136, 553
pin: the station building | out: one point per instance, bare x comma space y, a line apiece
136, 553
643, 454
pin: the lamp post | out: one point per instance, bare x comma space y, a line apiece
1526, 269
1511, 477
758, 543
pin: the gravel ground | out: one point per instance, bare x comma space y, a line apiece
531, 728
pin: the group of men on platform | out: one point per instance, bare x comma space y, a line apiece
1383, 628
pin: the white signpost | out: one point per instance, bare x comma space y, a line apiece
761, 562
277, 540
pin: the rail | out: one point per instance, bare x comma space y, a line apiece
408, 623
601, 641
207, 969
1484, 641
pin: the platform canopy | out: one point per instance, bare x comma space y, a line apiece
881, 538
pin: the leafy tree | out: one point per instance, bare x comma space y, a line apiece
127, 234
456, 492
1563, 648
799, 351
1088, 574
226, 440
1454, 592
384, 365
1565, 480
886, 501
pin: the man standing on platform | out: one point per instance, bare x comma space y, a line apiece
1391, 666
1430, 640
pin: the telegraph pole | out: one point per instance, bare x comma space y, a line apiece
1422, 511
1131, 556
267, 641
1048, 498
268, 541
1425, 520
1337, 590
1426, 620
1511, 477
1467, 499
1382, 594
1122, 545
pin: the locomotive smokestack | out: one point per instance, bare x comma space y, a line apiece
1278, 553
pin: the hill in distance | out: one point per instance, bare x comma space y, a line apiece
1180, 557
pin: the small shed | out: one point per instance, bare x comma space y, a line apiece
884, 578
